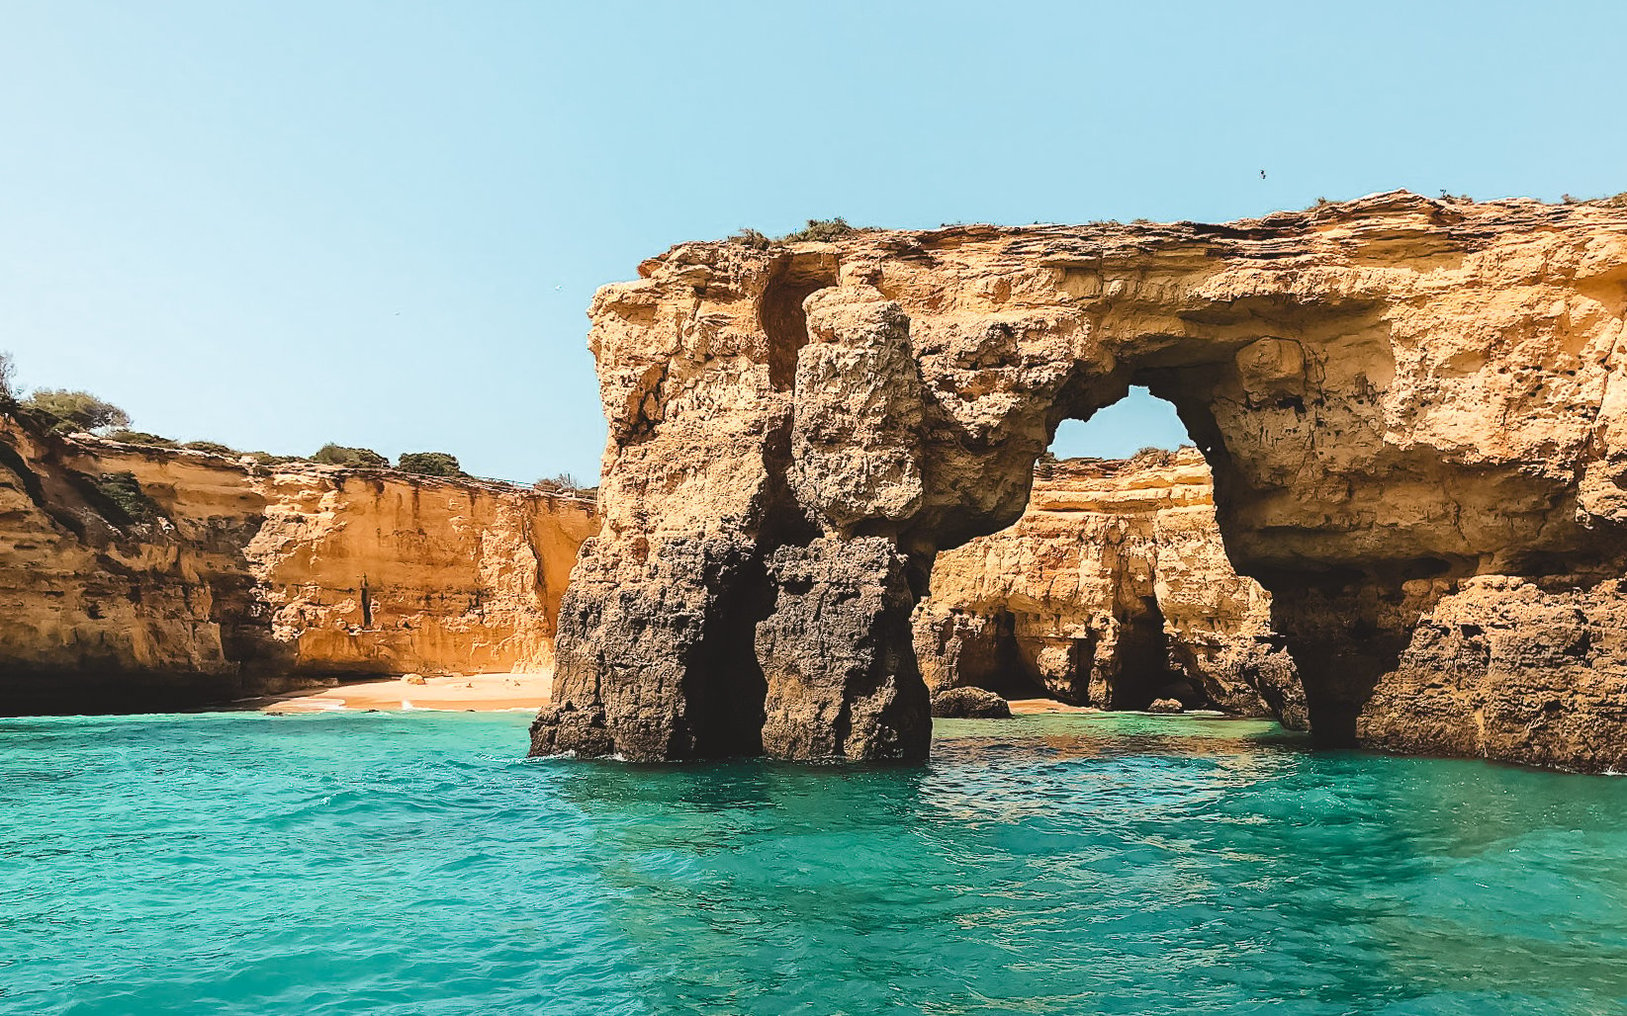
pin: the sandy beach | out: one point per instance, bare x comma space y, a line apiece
1030, 706
462, 692
489, 693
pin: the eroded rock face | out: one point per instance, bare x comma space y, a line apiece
1112, 590
840, 680
232, 579
1413, 410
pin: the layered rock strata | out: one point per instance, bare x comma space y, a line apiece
1415, 412
1112, 590
141, 578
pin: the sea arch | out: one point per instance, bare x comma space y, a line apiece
1409, 408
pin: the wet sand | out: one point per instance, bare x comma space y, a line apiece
1031, 706
464, 692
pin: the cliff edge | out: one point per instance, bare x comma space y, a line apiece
140, 578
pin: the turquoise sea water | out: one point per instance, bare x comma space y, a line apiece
414, 864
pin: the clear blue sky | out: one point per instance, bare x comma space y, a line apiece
281, 223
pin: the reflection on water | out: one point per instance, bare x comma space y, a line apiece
1048, 864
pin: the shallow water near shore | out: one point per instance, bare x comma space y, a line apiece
414, 864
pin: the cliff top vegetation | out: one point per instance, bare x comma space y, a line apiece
64, 411
816, 229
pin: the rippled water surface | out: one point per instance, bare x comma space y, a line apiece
414, 864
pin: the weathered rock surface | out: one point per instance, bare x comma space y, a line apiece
1113, 589
230, 579
968, 703
840, 677
1415, 412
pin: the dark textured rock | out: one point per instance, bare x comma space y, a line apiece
561, 729
968, 703
664, 642
839, 683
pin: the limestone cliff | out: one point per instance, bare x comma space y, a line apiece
1112, 590
134, 577
1415, 412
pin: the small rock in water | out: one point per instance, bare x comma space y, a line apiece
414, 679
970, 704
1166, 705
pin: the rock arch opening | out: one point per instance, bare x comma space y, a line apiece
1069, 602
1140, 421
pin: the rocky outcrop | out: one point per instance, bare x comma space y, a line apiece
967, 703
1415, 412
139, 578
1113, 589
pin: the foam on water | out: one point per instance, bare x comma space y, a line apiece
378, 863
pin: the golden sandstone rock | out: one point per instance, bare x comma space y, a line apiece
241, 579
1414, 411
1112, 590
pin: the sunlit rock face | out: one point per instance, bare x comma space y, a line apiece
233, 579
1113, 590
1413, 411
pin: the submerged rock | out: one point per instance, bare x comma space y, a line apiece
970, 704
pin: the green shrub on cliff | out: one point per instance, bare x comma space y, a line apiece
429, 464
559, 481
332, 454
8, 381
211, 446
1152, 455
68, 410
816, 229
141, 437
821, 229
755, 239
123, 490
268, 459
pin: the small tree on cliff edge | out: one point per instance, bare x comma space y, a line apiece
71, 410
429, 464
8, 381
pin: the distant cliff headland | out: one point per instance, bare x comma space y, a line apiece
137, 573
